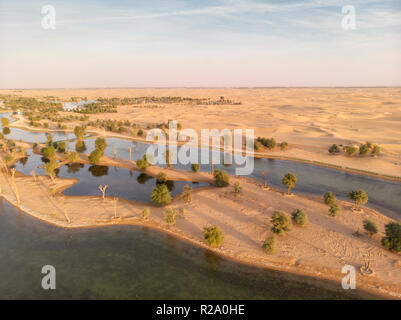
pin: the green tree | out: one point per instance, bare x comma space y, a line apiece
72, 156
221, 178
79, 132
51, 168
95, 156
161, 177
237, 188
80, 146
299, 217
213, 236
289, 180
376, 150
334, 210
370, 227
392, 240
145, 213
281, 223
61, 146
49, 152
334, 149
143, 163
329, 198
269, 245
100, 144
170, 216
350, 150
160, 195
195, 167
359, 197
364, 149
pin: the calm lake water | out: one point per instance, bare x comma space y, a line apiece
125, 262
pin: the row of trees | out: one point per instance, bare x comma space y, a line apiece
364, 149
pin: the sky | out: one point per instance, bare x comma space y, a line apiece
202, 43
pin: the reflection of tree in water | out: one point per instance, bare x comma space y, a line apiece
44, 160
143, 178
99, 171
74, 167
6, 130
212, 259
170, 185
80, 146
23, 161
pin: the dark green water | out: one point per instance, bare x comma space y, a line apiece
125, 262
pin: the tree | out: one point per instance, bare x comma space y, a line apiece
289, 180
161, 178
143, 163
49, 152
5, 122
170, 216
370, 227
281, 223
79, 132
80, 146
334, 149
376, 150
221, 178
329, 198
195, 167
61, 146
100, 144
237, 188
392, 240
51, 168
160, 195
299, 217
72, 156
363, 149
145, 213
187, 194
213, 236
269, 245
284, 145
334, 210
350, 150
95, 156
360, 197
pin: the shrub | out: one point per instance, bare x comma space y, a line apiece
187, 194
334, 149
61, 146
299, 217
268, 143
363, 149
392, 241
140, 133
80, 146
281, 223
95, 156
161, 178
8, 157
195, 167
376, 150
221, 178
359, 197
143, 163
6, 130
269, 245
350, 150
334, 210
49, 152
170, 216
289, 180
237, 188
370, 227
72, 156
329, 198
213, 236
160, 195
5, 122
283, 145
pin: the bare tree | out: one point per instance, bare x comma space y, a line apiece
115, 199
103, 190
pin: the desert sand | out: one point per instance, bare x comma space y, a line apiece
309, 119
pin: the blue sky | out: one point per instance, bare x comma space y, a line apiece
167, 43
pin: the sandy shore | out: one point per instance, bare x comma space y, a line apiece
319, 249
309, 119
